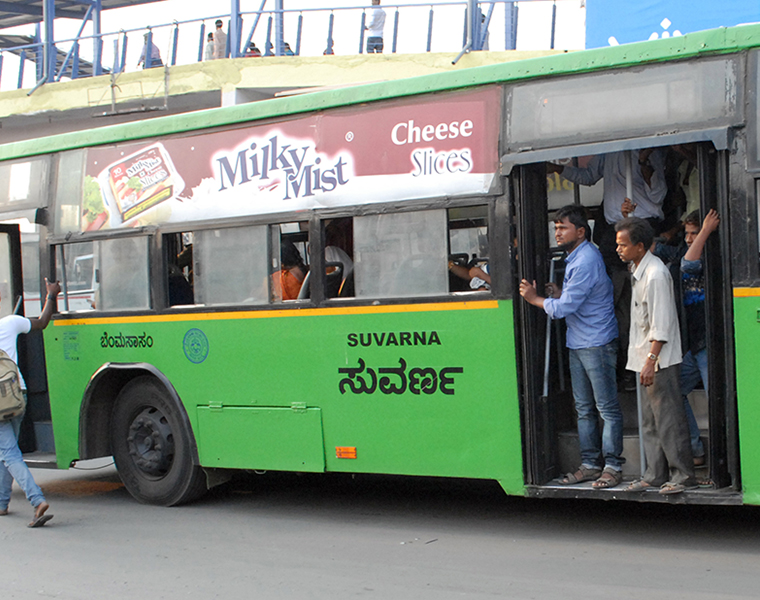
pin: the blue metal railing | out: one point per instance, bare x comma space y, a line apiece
183, 42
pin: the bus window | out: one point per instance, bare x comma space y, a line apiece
339, 262
30, 260
290, 261
400, 254
468, 249
78, 281
179, 268
230, 266
122, 266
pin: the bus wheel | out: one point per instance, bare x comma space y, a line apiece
152, 446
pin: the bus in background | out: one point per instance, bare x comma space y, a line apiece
284, 285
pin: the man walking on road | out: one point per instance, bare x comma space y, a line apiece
12, 465
586, 303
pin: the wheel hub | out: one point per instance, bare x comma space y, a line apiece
151, 443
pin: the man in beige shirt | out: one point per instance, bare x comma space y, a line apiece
654, 352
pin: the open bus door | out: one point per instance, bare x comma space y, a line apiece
721, 449
36, 434
545, 415
530, 201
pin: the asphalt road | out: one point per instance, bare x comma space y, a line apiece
285, 536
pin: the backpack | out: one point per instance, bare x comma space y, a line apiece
12, 401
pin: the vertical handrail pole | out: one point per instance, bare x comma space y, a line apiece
202, 42
298, 34
1, 66
331, 23
361, 32
464, 33
39, 49
64, 278
279, 28
124, 51
97, 40
21, 62
510, 26
175, 41
115, 68
48, 17
268, 49
554, 22
430, 30
395, 32
233, 33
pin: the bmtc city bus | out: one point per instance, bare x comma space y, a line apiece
278, 286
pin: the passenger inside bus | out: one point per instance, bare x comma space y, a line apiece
646, 195
286, 283
677, 167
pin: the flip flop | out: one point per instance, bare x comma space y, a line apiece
639, 486
40, 521
675, 488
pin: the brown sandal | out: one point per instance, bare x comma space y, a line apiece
609, 478
581, 475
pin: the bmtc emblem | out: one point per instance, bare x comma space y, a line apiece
195, 345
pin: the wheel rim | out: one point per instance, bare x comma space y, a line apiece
150, 442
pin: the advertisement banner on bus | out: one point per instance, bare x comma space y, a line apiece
401, 150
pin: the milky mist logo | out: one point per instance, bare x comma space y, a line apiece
304, 171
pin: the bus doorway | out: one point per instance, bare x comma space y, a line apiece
36, 435
549, 420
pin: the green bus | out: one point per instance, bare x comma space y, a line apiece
273, 286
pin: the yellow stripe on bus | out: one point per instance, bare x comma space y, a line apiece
270, 314
746, 292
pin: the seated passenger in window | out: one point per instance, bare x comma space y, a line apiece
286, 283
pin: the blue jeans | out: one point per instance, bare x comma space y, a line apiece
693, 368
12, 466
592, 371
374, 45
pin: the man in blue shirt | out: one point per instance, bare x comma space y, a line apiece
586, 303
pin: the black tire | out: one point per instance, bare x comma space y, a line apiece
153, 446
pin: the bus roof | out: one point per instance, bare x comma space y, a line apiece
724, 40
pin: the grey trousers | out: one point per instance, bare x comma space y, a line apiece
665, 430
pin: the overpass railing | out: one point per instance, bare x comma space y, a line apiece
438, 26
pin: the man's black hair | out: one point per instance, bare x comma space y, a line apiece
693, 219
576, 215
218, 23
639, 231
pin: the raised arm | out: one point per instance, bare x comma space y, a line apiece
53, 289
710, 224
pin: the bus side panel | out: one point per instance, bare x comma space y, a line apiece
747, 331
414, 389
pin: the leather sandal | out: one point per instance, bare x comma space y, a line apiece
609, 478
581, 475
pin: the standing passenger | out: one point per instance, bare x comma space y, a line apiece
13, 465
655, 353
586, 303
